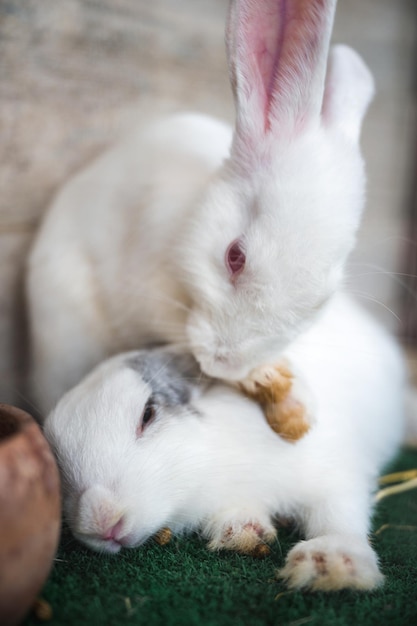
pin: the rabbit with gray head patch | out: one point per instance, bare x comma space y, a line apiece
143, 443
227, 243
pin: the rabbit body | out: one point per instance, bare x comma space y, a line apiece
208, 460
227, 243
103, 274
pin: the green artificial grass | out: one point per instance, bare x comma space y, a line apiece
183, 584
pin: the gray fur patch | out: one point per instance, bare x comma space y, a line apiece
173, 376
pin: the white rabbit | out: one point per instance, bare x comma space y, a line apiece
143, 445
227, 243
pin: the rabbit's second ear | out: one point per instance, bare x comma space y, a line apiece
348, 92
173, 376
277, 52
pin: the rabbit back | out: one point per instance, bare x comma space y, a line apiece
102, 271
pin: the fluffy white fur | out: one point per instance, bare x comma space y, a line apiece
213, 463
133, 248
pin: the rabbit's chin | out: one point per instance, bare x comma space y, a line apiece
229, 365
224, 372
219, 359
109, 546
230, 353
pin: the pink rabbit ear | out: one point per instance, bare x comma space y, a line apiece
348, 92
277, 51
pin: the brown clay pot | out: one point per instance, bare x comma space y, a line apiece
29, 512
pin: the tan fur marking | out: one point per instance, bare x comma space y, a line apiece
272, 390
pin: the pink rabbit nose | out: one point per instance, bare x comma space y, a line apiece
113, 533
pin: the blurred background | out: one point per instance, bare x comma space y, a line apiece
74, 74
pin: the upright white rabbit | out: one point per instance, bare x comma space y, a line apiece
143, 444
185, 233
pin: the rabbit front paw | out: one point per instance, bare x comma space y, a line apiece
246, 536
284, 398
331, 563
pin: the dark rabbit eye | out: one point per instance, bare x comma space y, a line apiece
235, 257
147, 417
148, 414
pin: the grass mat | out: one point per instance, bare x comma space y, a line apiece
183, 584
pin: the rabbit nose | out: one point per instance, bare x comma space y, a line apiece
223, 353
98, 513
227, 365
114, 532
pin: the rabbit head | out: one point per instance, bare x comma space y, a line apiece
116, 437
269, 240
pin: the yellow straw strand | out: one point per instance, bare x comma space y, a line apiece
385, 527
395, 489
398, 477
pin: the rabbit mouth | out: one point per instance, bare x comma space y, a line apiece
111, 545
97, 544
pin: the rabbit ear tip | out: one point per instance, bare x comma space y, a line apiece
277, 58
350, 87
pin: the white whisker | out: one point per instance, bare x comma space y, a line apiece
376, 270
367, 296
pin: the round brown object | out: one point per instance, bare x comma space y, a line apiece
30, 512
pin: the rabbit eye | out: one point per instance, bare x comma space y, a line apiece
235, 257
148, 416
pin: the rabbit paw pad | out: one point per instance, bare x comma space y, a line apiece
322, 565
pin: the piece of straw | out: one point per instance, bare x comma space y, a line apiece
407, 480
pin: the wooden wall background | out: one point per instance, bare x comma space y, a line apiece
409, 264
76, 73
